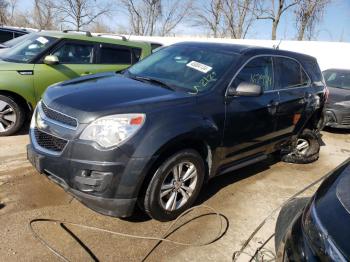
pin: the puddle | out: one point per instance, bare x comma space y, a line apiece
28, 190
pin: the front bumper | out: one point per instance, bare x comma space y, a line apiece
296, 246
102, 186
337, 118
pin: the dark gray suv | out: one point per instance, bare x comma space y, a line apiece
157, 132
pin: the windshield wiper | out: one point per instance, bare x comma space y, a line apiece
152, 80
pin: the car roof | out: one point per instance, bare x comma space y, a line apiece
338, 70
86, 37
246, 49
15, 30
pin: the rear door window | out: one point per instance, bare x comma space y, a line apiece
258, 71
115, 55
290, 73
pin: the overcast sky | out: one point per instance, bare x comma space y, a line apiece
335, 25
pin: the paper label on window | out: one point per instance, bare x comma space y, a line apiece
42, 40
199, 67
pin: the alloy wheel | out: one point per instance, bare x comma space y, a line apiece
178, 186
302, 146
7, 116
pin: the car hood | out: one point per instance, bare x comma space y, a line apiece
10, 66
337, 95
87, 98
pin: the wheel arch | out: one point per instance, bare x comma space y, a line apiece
27, 106
170, 148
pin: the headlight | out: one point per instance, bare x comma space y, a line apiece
321, 242
112, 130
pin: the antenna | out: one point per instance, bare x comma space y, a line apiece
277, 47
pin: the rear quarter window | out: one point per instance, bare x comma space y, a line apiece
314, 70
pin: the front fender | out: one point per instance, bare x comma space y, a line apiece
163, 129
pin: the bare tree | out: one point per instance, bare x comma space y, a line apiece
12, 5
150, 17
80, 13
174, 13
308, 14
143, 15
44, 15
99, 26
274, 12
3, 12
209, 14
239, 15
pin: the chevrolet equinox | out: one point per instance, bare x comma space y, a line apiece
155, 133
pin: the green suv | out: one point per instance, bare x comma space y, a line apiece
45, 58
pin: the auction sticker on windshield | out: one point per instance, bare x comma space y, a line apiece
42, 40
199, 67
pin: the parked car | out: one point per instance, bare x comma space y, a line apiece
45, 58
188, 112
338, 104
317, 229
8, 33
14, 41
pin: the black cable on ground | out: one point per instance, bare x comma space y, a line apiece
171, 229
163, 238
236, 254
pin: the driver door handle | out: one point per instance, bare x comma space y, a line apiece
273, 104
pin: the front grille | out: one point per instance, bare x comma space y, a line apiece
49, 142
346, 121
59, 117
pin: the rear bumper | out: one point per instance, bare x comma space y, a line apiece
337, 118
95, 184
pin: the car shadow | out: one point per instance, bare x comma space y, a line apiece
218, 183
336, 130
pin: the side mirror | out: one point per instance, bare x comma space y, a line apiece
51, 60
245, 89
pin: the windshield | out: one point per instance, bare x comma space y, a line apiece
337, 78
28, 49
16, 40
194, 69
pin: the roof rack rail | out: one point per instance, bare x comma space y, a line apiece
107, 34
86, 32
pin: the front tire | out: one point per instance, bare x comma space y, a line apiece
12, 116
174, 186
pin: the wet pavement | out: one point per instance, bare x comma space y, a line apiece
245, 197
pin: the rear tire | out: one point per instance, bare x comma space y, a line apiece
12, 116
175, 185
306, 149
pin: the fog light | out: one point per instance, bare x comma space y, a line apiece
93, 181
